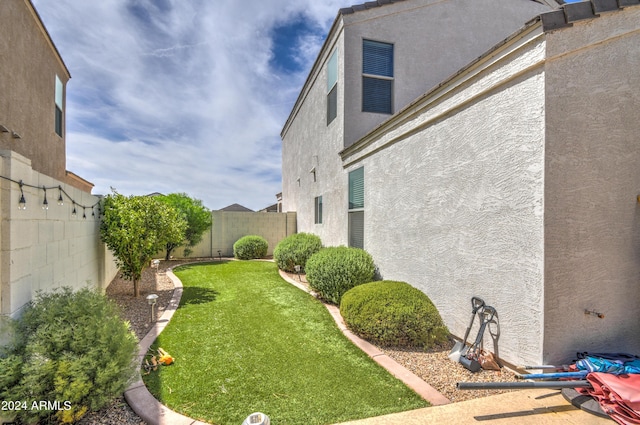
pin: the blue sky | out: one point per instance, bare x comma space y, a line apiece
184, 95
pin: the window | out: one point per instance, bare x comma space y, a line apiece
318, 210
332, 87
59, 116
377, 77
356, 208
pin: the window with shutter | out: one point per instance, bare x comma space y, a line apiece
332, 87
59, 116
356, 208
318, 210
377, 77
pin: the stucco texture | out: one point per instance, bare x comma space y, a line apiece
592, 217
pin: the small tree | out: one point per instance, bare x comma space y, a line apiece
198, 220
135, 228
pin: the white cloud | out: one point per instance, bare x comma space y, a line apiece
180, 95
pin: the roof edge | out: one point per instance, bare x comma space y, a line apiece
43, 28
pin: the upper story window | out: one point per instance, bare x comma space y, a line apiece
59, 116
377, 77
332, 87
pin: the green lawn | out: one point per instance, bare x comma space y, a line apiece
245, 341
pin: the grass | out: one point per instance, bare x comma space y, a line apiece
247, 341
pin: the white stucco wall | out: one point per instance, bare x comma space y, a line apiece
432, 40
592, 217
307, 143
454, 196
45, 249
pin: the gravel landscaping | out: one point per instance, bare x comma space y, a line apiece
433, 366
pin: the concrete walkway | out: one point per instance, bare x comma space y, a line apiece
521, 407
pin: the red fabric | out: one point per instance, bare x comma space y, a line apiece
618, 395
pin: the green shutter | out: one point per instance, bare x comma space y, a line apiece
356, 189
356, 229
332, 71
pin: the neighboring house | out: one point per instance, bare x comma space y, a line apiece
44, 245
33, 79
236, 208
511, 176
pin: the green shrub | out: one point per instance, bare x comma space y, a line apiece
296, 250
71, 348
333, 271
250, 247
393, 314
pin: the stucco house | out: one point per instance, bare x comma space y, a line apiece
493, 154
43, 245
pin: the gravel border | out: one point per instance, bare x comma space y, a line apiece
433, 366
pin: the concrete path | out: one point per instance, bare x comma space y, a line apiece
539, 407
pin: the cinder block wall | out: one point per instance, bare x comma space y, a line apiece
45, 249
229, 226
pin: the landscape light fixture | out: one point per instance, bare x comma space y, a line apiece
15, 135
22, 203
152, 299
3, 129
257, 419
220, 255
297, 269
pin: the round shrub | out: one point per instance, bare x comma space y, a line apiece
69, 347
393, 314
333, 271
296, 250
250, 247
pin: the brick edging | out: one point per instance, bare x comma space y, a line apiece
409, 378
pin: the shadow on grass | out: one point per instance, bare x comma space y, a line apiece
193, 295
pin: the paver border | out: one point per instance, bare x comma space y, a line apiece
145, 405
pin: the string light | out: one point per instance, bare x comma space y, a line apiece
45, 203
22, 201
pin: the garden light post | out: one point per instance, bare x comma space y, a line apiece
152, 299
297, 269
257, 419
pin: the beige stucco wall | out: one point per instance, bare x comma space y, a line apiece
229, 226
592, 179
45, 249
27, 83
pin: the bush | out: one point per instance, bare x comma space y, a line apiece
393, 314
70, 348
296, 250
250, 247
333, 271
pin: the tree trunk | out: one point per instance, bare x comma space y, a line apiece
136, 288
168, 256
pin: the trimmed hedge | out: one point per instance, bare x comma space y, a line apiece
295, 250
250, 247
393, 314
333, 271
70, 347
